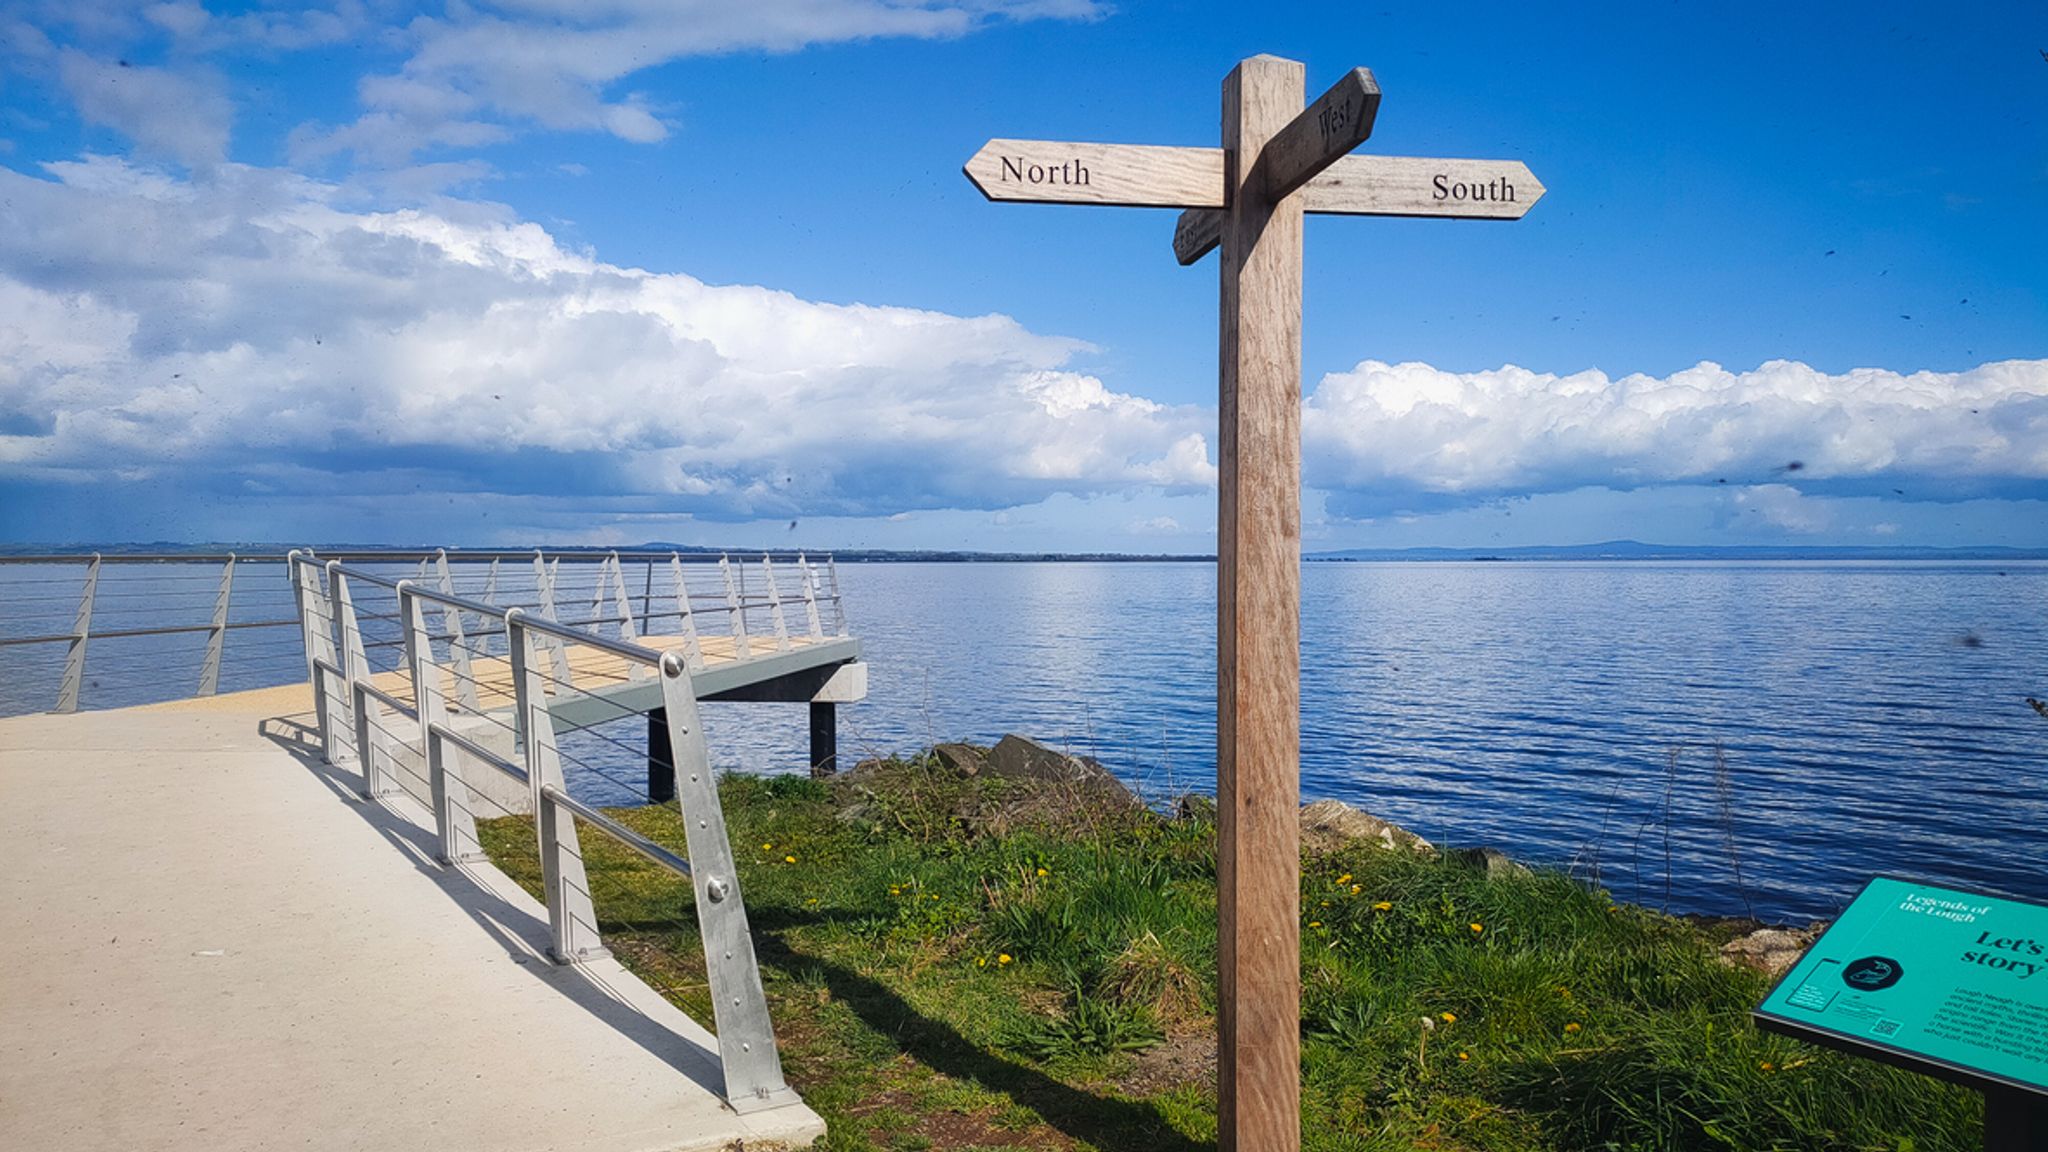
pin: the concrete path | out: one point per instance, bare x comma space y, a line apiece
207, 943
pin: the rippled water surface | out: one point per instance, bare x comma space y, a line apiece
1720, 737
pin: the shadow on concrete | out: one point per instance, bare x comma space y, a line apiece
481, 892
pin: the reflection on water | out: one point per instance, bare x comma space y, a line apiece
1805, 724
1672, 725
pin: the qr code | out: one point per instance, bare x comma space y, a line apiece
1884, 1028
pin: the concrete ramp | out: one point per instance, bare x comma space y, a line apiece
207, 942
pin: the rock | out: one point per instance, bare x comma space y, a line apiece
1497, 863
1020, 758
962, 759
1332, 824
1770, 950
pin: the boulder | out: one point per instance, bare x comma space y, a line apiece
1496, 863
1022, 759
1331, 824
1770, 950
961, 759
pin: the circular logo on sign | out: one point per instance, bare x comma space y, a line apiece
1872, 973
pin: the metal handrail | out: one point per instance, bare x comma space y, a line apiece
618, 831
336, 653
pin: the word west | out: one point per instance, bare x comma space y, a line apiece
1498, 188
2024, 969
1072, 172
1954, 910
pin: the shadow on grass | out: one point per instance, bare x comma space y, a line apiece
1103, 1121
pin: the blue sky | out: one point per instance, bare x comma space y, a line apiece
501, 273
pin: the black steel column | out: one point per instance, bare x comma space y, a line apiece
2014, 1121
824, 738
661, 770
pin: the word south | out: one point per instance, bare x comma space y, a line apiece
1499, 188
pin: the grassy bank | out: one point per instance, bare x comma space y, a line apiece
936, 985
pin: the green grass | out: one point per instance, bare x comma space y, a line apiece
935, 988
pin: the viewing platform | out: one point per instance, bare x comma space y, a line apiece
261, 919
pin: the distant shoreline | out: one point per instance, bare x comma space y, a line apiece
1613, 550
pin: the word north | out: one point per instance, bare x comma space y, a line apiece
1499, 188
1072, 172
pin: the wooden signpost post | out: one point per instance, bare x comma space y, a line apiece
1277, 161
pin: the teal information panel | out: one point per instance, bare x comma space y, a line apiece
1945, 982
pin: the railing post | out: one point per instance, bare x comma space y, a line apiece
81, 631
217, 636
810, 583
634, 671
572, 921
454, 823
342, 610
775, 605
315, 624
746, 1036
544, 583
734, 613
323, 713
838, 605
458, 643
375, 784
694, 651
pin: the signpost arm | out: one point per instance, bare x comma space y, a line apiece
1258, 628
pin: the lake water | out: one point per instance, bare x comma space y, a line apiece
1719, 737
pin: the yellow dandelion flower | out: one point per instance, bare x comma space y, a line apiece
981, 961
1384, 906
1003, 958
1315, 923
1765, 1065
1044, 872
1448, 1017
789, 859
1571, 1027
1357, 888
1477, 928
767, 847
1344, 879
1464, 1055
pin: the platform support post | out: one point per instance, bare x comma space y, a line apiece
661, 773
824, 738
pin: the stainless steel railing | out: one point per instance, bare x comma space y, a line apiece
436, 682
160, 626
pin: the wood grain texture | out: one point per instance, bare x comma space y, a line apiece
1258, 631
1420, 186
1388, 186
1337, 122
1136, 175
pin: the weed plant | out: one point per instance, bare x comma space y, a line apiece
935, 987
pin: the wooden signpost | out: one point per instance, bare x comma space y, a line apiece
1277, 161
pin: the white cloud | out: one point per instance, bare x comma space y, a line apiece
179, 115
1413, 430
554, 63
244, 327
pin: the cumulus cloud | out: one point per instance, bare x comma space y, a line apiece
245, 326
1413, 433
555, 63
182, 116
